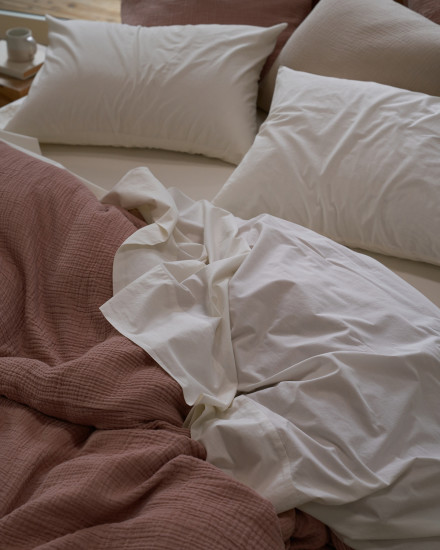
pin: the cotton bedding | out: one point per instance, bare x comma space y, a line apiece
193, 361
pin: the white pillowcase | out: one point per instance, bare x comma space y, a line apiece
189, 88
356, 161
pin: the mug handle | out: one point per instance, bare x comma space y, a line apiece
33, 44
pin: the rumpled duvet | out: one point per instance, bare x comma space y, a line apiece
93, 450
313, 372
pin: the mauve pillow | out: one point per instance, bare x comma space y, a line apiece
260, 13
428, 8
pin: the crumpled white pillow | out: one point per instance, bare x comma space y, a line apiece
356, 161
190, 88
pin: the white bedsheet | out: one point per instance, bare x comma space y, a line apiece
313, 371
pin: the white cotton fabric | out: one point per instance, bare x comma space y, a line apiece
356, 161
167, 263
188, 88
313, 370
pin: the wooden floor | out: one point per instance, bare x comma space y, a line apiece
98, 10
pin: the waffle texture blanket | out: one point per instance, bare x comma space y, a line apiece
93, 451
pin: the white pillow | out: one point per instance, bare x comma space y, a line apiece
189, 88
356, 161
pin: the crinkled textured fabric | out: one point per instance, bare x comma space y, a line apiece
93, 452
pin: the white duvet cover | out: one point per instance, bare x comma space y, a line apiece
313, 371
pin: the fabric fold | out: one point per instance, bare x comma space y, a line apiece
312, 370
171, 286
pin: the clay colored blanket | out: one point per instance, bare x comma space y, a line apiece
93, 453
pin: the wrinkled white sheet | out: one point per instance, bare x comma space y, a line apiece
313, 371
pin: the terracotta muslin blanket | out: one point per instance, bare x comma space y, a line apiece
92, 449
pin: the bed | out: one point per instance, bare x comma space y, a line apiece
221, 281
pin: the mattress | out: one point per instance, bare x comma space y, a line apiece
197, 176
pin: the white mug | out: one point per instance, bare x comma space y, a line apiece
21, 44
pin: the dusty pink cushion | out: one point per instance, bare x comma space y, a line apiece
227, 12
428, 8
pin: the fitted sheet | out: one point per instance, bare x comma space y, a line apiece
197, 176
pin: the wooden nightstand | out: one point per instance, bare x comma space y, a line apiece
16, 78
13, 88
